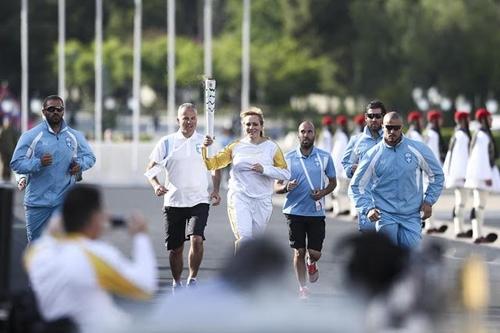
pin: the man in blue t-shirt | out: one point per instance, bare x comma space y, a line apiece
312, 178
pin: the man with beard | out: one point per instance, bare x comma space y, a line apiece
358, 146
304, 206
388, 186
52, 155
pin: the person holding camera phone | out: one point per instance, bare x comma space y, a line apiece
52, 156
387, 186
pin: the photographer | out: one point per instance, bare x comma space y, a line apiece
74, 274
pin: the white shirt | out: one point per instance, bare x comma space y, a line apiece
188, 177
325, 141
455, 163
432, 140
478, 167
340, 141
75, 276
243, 154
414, 135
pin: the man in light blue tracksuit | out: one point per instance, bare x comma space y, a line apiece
52, 155
387, 185
358, 146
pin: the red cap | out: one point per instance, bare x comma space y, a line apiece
482, 113
359, 119
414, 115
327, 120
433, 115
461, 115
341, 120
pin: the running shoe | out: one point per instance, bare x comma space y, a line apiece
439, 230
303, 293
191, 283
176, 287
312, 271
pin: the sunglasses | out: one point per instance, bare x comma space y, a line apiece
374, 115
392, 127
52, 109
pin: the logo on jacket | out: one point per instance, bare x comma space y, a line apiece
408, 158
69, 143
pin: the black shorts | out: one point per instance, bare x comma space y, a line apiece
302, 228
182, 222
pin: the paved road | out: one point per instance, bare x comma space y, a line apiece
219, 244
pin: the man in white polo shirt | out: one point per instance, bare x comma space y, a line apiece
186, 196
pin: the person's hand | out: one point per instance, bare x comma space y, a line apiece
208, 141
257, 167
317, 194
488, 182
160, 190
291, 185
215, 198
46, 159
425, 210
137, 224
21, 184
353, 168
373, 215
74, 168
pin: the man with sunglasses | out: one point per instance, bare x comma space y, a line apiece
358, 145
52, 155
388, 184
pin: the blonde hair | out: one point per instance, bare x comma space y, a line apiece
254, 111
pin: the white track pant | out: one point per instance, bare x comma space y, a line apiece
248, 216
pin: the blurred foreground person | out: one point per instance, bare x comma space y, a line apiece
402, 291
388, 186
304, 206
482, 174
74, 274
455, 167
232, 302
8, 140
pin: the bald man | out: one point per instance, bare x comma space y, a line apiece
388, 188
304, 206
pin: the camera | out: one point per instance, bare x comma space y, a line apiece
118, 222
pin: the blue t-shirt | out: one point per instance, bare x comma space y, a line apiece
319, 165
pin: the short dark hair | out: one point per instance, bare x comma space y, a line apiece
376, 104
80, 202
51, 97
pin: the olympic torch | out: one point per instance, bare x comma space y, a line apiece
209, 107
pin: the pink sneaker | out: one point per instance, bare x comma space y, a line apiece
303, 293
312, 271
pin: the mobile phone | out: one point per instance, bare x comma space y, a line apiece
118, 222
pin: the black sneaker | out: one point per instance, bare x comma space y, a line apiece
490, 238
466, 234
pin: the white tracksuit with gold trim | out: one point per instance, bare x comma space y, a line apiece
249, 196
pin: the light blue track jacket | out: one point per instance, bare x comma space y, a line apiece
47, 185
390, 178
357, 147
